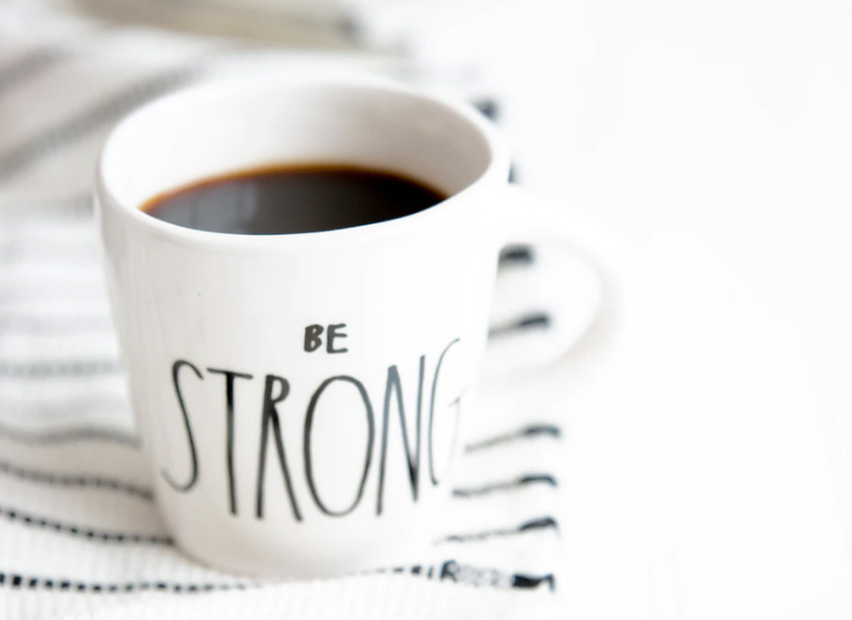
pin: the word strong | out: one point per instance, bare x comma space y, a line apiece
387, 418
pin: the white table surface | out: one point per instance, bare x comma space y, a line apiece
706, 465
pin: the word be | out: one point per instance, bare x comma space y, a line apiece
313, 341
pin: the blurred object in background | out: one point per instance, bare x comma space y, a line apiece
451, 44
102, 59
308, 23
445, 31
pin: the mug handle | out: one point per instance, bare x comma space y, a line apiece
587, 253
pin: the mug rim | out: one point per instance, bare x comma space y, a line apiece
496, 168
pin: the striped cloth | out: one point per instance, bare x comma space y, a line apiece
79, 533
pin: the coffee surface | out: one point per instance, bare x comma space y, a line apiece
292, 199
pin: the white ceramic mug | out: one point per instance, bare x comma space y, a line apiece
270, 456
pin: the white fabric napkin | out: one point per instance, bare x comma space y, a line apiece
79, 533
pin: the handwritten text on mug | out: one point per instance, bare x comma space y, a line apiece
276, 390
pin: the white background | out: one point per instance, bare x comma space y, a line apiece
707, 475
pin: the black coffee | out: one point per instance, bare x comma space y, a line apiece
292, 199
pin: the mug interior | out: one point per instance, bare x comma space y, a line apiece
224, 127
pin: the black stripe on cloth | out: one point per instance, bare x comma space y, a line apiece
489, 108
67, 435
527, 582
64, 324
527, 432
506, 485
19, 581
451, 570
65, 480
71, 368
543, 523
95, 117
513, 173
30, 65
126, 487
517, 255
477, 576
80, 531
537, 320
